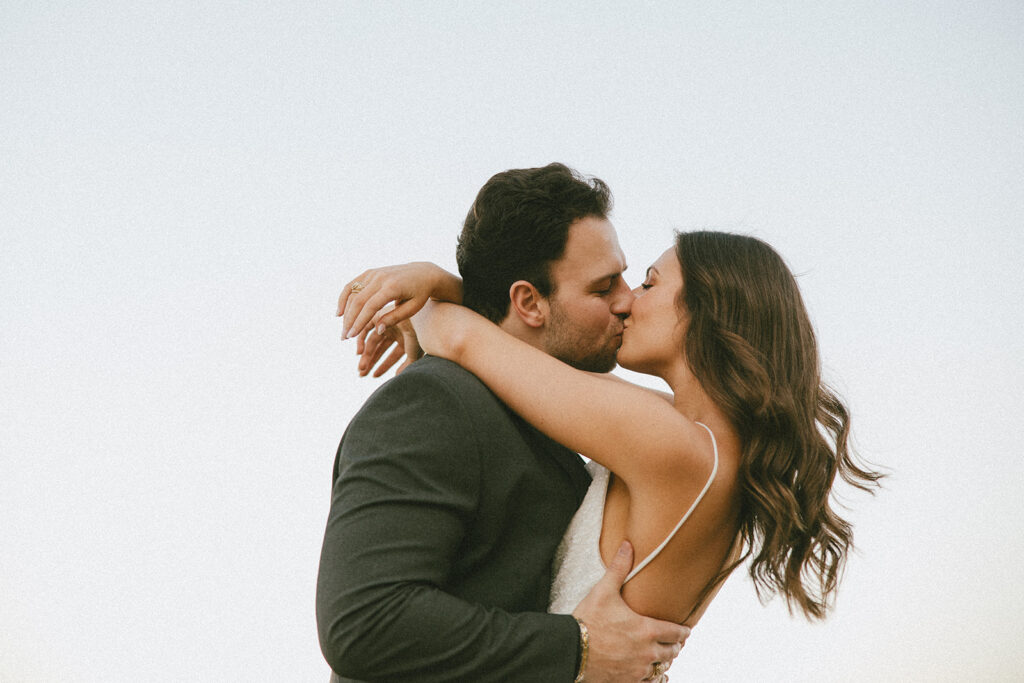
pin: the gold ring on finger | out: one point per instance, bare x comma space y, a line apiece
357, 287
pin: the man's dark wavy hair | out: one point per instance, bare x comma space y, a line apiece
518, 225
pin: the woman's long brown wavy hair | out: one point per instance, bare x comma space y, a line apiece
752, 348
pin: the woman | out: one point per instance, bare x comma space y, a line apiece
746, 448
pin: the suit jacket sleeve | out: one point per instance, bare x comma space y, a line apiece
404, 494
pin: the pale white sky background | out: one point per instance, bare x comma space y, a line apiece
185, 186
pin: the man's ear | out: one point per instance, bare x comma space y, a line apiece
528, 304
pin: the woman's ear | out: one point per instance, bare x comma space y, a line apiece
528, 304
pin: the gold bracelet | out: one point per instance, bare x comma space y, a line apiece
584, 647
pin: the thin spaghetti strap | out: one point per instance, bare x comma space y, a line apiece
700, 496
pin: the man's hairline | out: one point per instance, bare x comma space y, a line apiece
591, 283
550, 264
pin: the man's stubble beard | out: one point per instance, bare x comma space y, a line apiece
565, 342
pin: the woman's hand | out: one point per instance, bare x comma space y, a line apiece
371, 346
444, 327
364, 301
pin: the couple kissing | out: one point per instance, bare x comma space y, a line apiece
468, 540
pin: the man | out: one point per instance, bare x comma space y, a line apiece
447, 508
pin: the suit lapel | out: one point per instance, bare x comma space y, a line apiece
570, 463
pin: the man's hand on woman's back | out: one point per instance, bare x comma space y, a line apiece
624, 646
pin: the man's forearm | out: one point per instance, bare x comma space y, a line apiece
381, 609
419, 633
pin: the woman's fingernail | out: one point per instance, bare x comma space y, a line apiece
381, 328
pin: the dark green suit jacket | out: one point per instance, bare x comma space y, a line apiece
445, 514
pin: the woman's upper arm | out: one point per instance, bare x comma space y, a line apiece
611, 377
626, 428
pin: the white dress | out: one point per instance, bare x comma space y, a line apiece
577, 564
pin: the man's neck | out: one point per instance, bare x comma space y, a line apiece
518, 329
